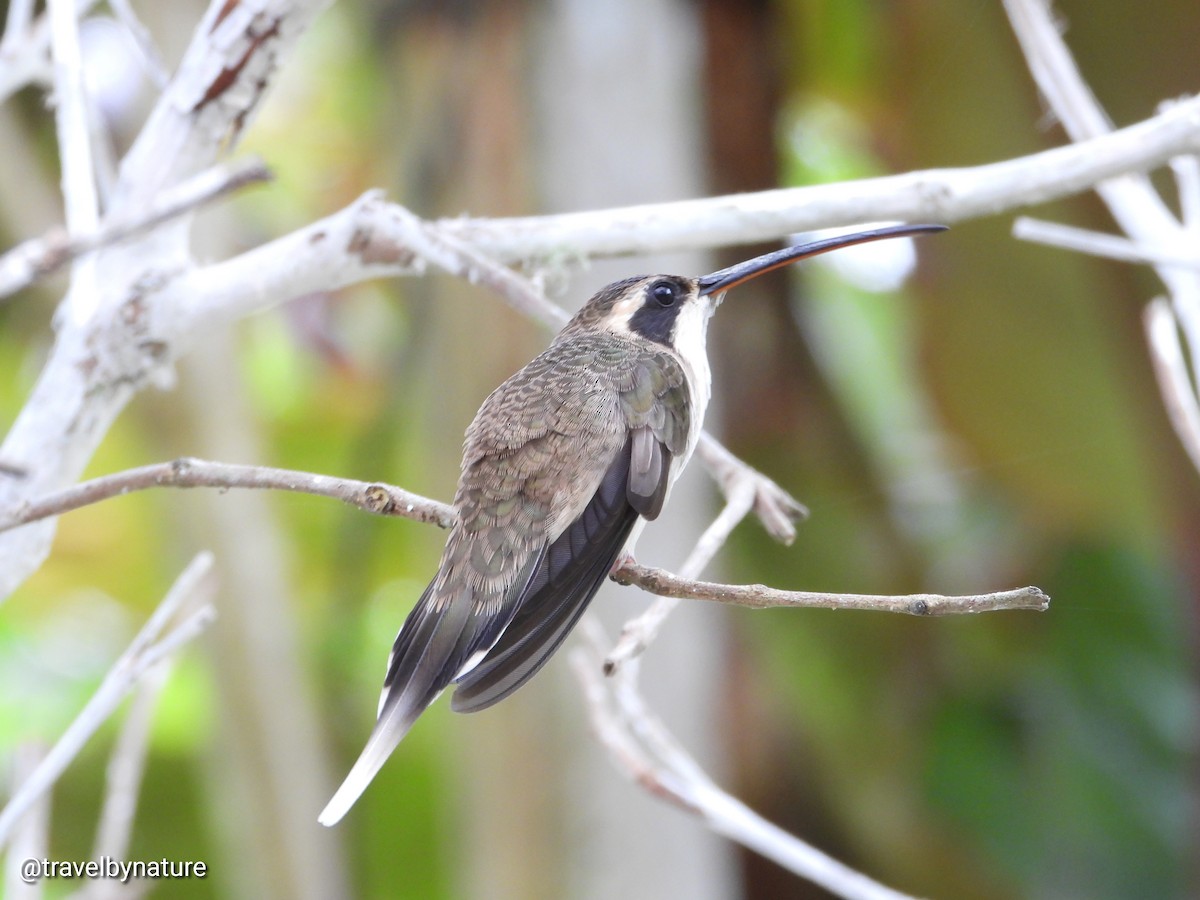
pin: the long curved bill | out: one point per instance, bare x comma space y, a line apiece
731, 277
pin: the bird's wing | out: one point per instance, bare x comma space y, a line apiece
567, 578
651, 400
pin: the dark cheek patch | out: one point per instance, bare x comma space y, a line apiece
655, 323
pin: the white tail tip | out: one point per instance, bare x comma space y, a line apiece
386, 735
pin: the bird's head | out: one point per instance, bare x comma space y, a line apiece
667, 309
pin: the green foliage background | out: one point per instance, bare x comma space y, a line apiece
995, 423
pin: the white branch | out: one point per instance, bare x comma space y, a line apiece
144, 652
38, 257
155, 298
1134, 203
1187, 179
1131, 198
17, 22
644, 750
152, 60
372, 239
81, 201
1174, 379
938, 195
1109, 246
638, 633
25, 48
31, 839
99, 361
123, 777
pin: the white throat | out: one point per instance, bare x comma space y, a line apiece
691, 332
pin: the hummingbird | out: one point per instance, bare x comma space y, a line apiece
562, 465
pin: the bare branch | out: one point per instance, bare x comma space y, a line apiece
1187, 179
152, 60
81, 199
145, 651
638, 633
646, 752
82, 205
939, 195
1175, 380
25, 49
17, 23
384, 499
436, 244
369, 239
39, 257
778, 510
31, 840
72, 405
373, 497
758, 596
743, 488
1131, 197
233, 57
1109, 246
1135, 204
124, 776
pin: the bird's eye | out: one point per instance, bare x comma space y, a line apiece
665, 293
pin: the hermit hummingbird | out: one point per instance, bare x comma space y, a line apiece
561, 466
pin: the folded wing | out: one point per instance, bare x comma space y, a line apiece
570, 573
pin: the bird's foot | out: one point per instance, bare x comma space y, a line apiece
623, 562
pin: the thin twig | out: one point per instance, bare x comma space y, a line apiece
39, 257
123, 776
646, 752
778, 510
144, 652
1131, 197
384, 499
745, 489
373, 497
1109, 246
24, 56
1175, 379
17, 24
32, 837
1187, 180
1133, 202
151, 59
434, 243
82, 205
758, 596
638, 633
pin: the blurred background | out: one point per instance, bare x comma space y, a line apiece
980, 416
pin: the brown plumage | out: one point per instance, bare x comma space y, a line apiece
559, 464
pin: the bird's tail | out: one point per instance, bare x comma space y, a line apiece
388, 732
425, 658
